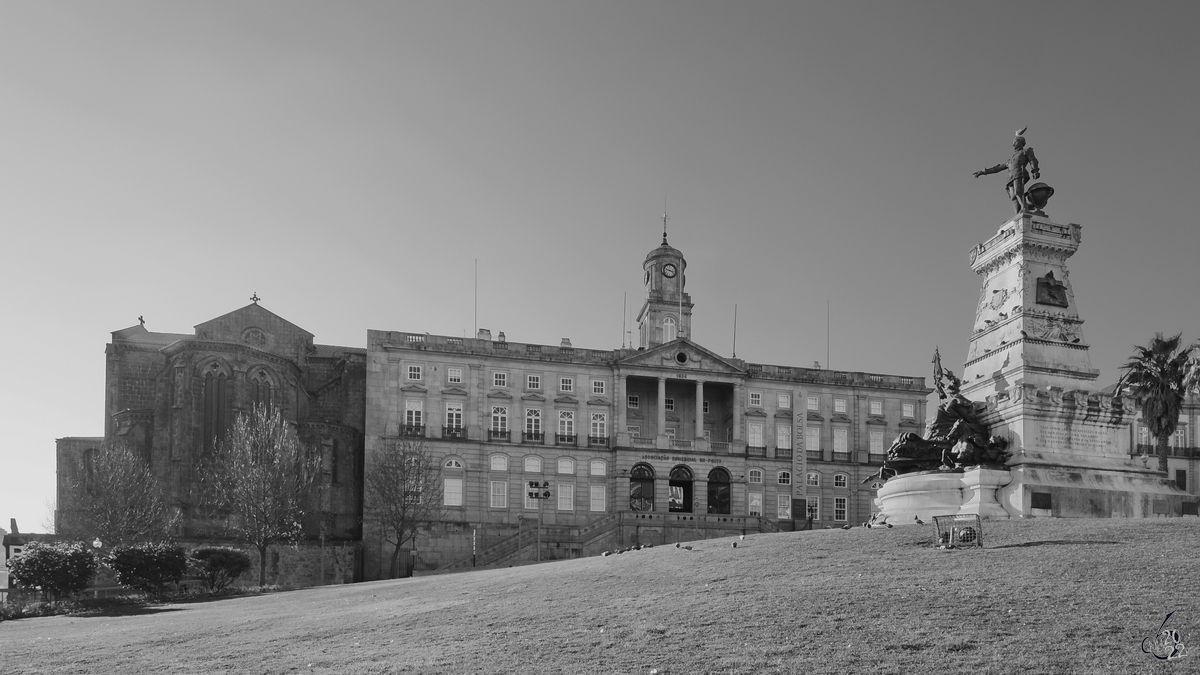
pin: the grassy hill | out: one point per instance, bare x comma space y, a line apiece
1044, 596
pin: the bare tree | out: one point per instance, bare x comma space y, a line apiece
264, 479
117, 499
404, 489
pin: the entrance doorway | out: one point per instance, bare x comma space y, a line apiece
681, 489
718, 491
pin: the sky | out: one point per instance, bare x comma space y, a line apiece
354, 163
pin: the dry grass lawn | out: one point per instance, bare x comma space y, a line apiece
1045, 596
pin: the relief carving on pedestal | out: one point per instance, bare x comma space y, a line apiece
1051, 291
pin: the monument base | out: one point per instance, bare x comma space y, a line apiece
905, 498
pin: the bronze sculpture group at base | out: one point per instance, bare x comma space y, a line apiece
954, 439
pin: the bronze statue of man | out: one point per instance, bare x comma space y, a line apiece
1017, 174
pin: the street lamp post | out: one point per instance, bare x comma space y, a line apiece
540, 492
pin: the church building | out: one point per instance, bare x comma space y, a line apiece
665, 442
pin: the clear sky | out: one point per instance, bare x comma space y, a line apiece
350, 161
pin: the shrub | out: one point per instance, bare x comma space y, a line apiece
218, 567
148, 567
57, 570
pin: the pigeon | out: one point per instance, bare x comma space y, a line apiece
889, 525
735, 544
742, 537
845, 527
677, 544
606, 553
918, 519
687, 548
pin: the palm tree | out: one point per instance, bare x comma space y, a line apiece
1157, 378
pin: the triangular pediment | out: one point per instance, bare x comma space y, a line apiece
816, 417
454, 391
566, 399
909, 423
783, 414
840, 418
413, 387
499, 394
877, 420
672, 417
755, 412
695, 358
257, 327
634, 414
533, 397
598, 401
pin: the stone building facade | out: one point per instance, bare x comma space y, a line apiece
169, 396
665, 442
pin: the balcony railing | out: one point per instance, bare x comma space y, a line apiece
876, 459
756, 451
719, 446
598, 441
681, 443
841, 457
813, 454
639, 442
412, 430
532, 437
565, 439
783, 453
499, 435
454, 433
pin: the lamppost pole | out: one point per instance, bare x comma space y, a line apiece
540, 492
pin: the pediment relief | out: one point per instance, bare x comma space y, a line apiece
634, 414
566, 399
783, 414
877, 421
814, 416
454, 391
413, 387
672, 417
708, 419
840, 418
497, 393
533, 397
683, 355
599, 400
755, 412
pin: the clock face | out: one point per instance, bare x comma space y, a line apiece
647, 277
669, 271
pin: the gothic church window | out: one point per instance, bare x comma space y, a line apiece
215, 420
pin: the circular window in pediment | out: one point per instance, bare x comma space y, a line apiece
681, 358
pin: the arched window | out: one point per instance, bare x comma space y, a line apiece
499, 462
669, 329
452, 482
641, 488
566, 465
261, 390
216, 407
680, 486
784, 478
840, 480
813, 479
718, 491
533, 464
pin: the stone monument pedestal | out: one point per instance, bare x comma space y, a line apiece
943, 493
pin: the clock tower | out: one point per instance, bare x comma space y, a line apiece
667, 312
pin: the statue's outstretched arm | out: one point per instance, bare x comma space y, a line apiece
995, 169
1033, 163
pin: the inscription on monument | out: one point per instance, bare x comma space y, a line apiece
1057, 436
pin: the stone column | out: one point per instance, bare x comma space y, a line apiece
699, 409
739, 395
621, 399
662, 407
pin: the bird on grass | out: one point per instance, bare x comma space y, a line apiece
918, 519
687, 548
845, 527
677, 544
735, 544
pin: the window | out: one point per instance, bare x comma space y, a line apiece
1181, 479
756, 399
566, 384
566, 465
876, 442
260, 390
499, 379
454, 375
755, 475
599, 499
839, 508
784, 401
634, 430
783, 507
450, 463
533, 423
814, 508
812, 439
840, 440
783, 436
533, 382
633, 401
499, 462
499, 494
784, 478
500, 418
812, 479
454, 412
566, 423
452, 493
566, 496
840, 480
216, 406
907, 410
414, 372
412, 413
839, 405
599, 425
641, 488
533, 465
754, 434
530, 502
706, 407
877, 408
598, 467
598, 387
670, 432
813, 403
669, 331
668, 404
756, 503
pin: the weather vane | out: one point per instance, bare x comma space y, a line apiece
255, 297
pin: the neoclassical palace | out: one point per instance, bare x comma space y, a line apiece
663, 442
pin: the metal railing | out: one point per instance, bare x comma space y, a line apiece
565, 439
454, 433
783, 453
756, 451
598, 441
412, 430
532, 437
499, 435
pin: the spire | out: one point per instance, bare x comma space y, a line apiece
665, 229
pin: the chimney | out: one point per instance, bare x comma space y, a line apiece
566, 342
484, 334
12, 525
